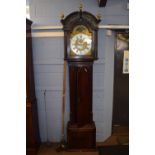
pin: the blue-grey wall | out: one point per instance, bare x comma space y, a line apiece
48, 65
47, 12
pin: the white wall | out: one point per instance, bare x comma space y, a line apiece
48, 65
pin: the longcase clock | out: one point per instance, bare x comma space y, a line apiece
80, 47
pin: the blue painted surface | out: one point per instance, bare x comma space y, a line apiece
47, 12
48, 65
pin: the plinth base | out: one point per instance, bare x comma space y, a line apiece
81, 138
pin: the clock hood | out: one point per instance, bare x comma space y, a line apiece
80, 17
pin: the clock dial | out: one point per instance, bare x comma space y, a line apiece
81, 41
81, 44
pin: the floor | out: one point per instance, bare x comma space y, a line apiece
119, 136
51, 150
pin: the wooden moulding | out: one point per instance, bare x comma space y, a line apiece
81, 138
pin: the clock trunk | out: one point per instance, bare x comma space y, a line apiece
81, 129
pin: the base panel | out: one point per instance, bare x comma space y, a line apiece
81, 138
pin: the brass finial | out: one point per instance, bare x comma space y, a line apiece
81, 6
62, 15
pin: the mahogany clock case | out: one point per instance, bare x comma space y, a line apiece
81, 130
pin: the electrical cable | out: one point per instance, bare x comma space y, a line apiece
47, 140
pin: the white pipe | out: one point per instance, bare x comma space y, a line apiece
59, 33
48, 34
47, 27
114, 26
110, 26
